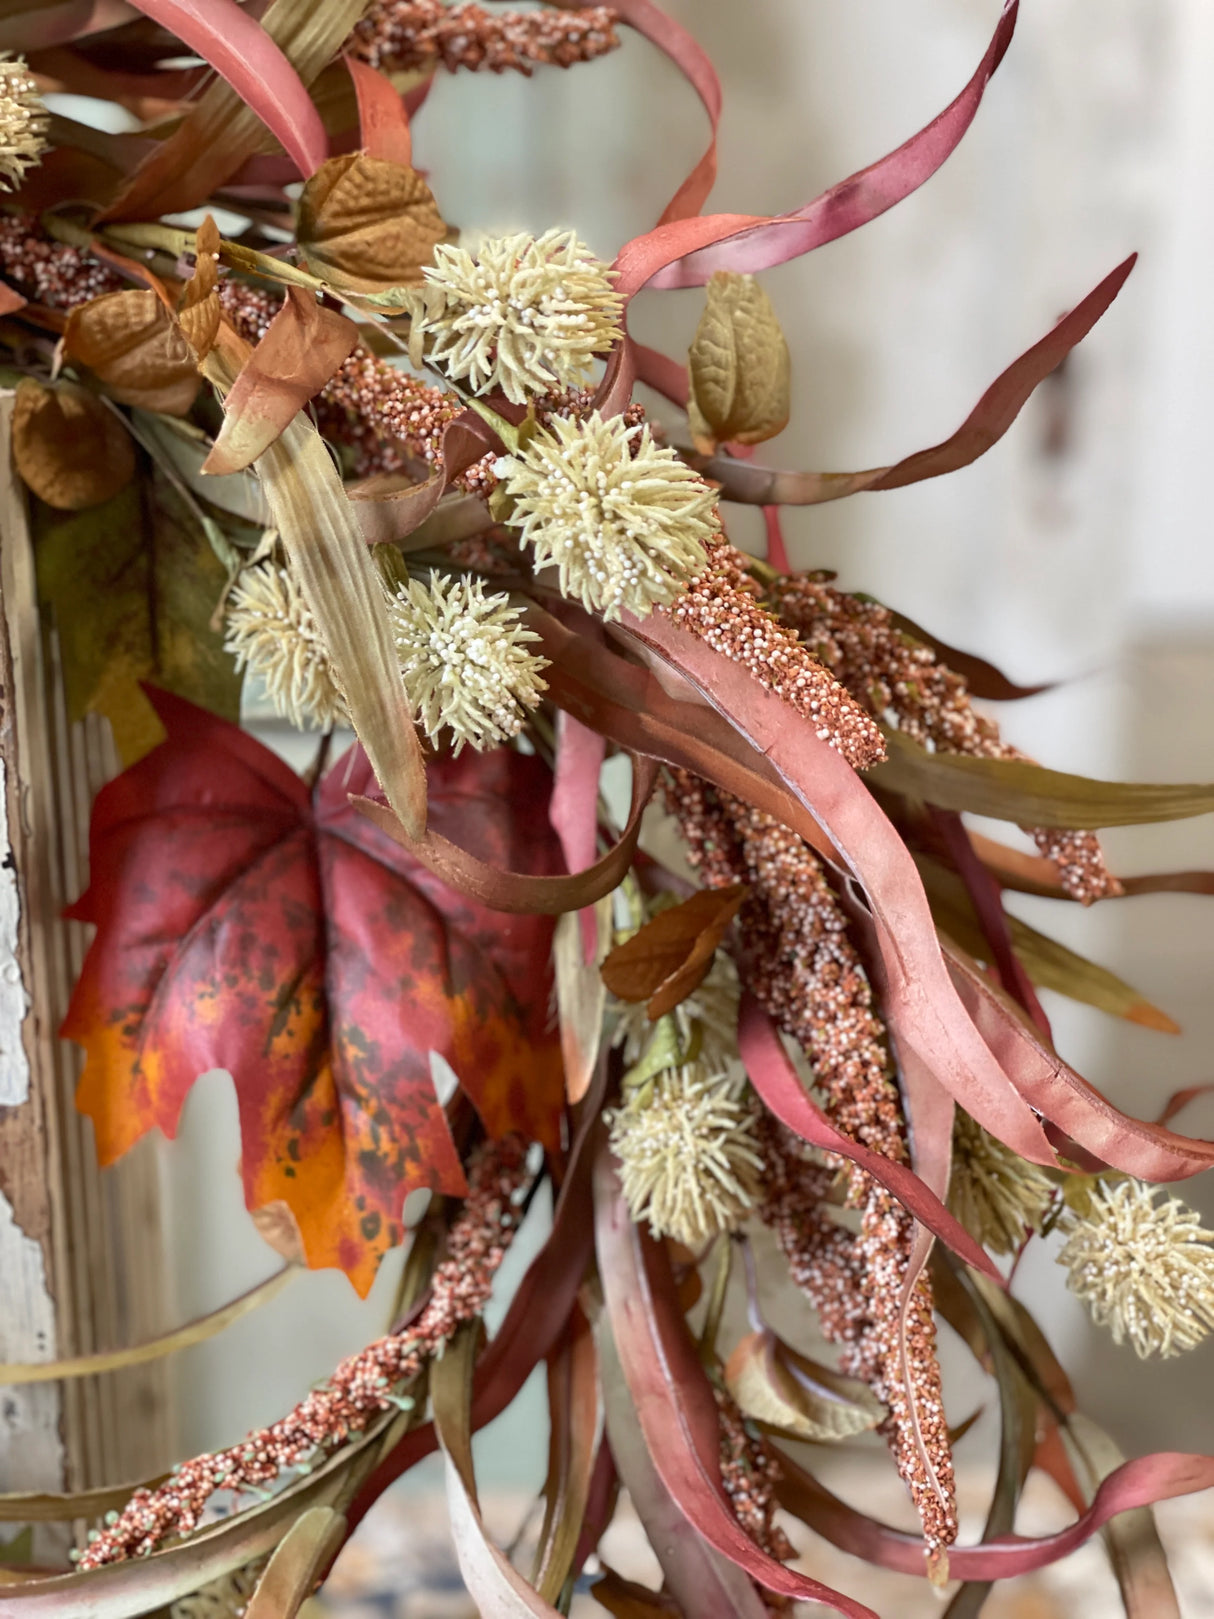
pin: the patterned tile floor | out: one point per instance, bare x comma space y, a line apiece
400, 1565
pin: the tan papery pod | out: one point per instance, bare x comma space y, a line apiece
739, 366
71, 451
134, 347
819, 1404
367, 225
198, 311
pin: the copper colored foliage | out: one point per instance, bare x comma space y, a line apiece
362, 1386
390, 420
397, 35
720, 606
889, 672
131, 344
669, 957
367, 225
798, 961
70, 448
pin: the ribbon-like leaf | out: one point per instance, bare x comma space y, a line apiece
1029, 794
271, 64
671, 1394
700, 1579
774, 1077
494, 1584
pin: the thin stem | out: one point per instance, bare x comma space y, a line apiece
716, 1299
317, 768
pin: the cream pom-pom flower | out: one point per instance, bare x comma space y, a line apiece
689, 1157
465, 660
272, 633
1145, 1269
708, 1017
622, 519
998, 1196
521, 314
23, 122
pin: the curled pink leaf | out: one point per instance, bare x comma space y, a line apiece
1143, 1482
673, 1399
774, 1077
1065, 1098
239, 49
683, 252
923, 1008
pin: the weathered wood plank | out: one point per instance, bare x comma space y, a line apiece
80, 1252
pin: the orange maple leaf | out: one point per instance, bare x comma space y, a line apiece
244, 922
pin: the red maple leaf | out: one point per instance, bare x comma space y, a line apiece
244, 922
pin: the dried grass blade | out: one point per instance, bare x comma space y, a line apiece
326, 551
195, 1332
223, 129
325, 548
1135, 1550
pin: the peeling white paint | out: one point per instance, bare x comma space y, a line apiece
31, 1450
14, 1064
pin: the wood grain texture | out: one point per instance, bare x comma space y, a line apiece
79, 1252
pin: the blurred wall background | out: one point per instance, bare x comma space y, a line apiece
1079, 551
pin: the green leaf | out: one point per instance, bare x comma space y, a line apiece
132, 585
664, 1049
1135, 1550
19, 1551
1049, 963
773, 1384
1029, 794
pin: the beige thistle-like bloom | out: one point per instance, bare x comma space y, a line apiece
688, 1153
622, 519
1145, 1269
998, 1196
23, 122
708, 1015
271, 632
465, 660
521, 314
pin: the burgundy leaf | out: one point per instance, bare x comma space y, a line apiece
922, 1007
1140, 1483
701, 1581
574, 806
777, 1082
685, 252
1065, 1098
673, 1400
742, 480
512, 890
